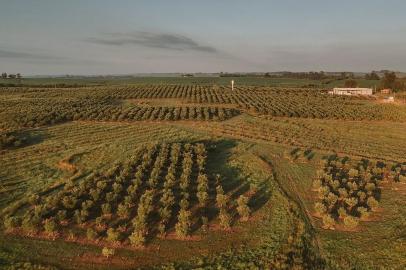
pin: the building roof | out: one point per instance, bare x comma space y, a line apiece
352, 89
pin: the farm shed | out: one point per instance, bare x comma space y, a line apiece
352, 91
386, 91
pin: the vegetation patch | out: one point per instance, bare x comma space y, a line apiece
350, 191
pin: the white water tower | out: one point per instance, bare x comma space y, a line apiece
232, 85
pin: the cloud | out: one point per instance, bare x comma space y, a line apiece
13, 54
344, 56
154, 40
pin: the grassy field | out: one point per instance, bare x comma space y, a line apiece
183, 173
125, 80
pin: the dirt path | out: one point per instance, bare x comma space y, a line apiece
293, 195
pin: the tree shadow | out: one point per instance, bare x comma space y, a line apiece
24, 138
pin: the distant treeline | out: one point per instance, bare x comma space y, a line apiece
294, 75
57, 85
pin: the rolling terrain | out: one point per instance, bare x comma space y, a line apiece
185, 173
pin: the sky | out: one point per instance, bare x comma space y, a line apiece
96, 37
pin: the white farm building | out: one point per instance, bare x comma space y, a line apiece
352, 91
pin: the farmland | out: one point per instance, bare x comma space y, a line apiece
181, 173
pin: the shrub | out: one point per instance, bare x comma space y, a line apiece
328, 222
372, 203
113, 235
363, 212
242, 208
331, 199
11, 223
351, 222
33, 199
183, 226
225, 219
317, 184
91, 234
162, 229
342, 213
221, 200
30, 224
203, 197
106, 209
108, 252
61, 215
205, 224
137, 238
351, 202
184, 203
320, 208
50, 226
123, 211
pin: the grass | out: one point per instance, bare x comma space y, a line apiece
371, 139
379, 244
99, 144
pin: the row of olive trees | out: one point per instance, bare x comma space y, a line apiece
128, 200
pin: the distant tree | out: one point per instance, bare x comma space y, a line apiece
4, 75
350, 83
388, 80
11, 76
343, 75
18, 75
372, 76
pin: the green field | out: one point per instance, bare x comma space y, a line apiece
184, 173
215, 80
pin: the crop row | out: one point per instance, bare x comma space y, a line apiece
306, 103
161, 189
350, 192
43, 112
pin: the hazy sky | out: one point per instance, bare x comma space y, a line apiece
126, 37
